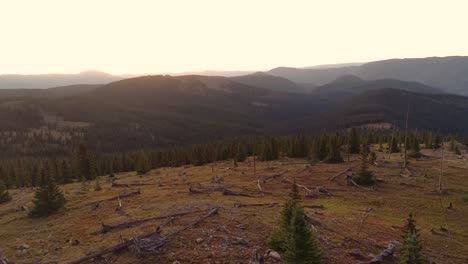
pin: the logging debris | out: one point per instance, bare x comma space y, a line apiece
152, 244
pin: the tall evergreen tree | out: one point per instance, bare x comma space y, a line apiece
334, 153
364, 175
354, 141
411, 250
48, 199
142, 163
301, 247
84, 163
394, 145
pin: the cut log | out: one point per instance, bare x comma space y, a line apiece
339, 174
108, 228
384, 254
239, 205
155, 247
115, 198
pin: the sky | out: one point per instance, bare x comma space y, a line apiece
138, 36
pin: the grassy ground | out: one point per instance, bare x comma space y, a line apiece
236, 233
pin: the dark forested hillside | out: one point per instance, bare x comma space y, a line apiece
272, 82
447, 113
163, 111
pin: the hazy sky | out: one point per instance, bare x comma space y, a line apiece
133, 36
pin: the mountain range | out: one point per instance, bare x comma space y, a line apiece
165, 110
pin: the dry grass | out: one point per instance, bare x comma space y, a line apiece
236, 233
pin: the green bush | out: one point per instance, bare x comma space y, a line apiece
465, 198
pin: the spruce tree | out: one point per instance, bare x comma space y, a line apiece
279, 238
142, 163
301, 247
84, 163
4, 194
48, 199
411, 248
415, 149
394, 146
334, 153
354, 141
364, 175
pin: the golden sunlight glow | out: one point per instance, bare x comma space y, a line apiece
137, 36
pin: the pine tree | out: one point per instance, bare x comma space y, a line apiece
301, 247
334, 153
411, 249
279, 238
364, 176
394, 146
415, 149
84, 163
48, 199
142, 163
4, 194
354, 141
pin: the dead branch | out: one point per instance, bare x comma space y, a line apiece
108, 228
239, 205
115, 198
339, 174
155, 247
364, 217
260, 187
384, 254
299, 185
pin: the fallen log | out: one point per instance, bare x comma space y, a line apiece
162, 241
299, 185
359, 186
274, 176
107, 228
194, 190
228, 192
128, 185
315, 206
339, 174
115, 198
239, 205
384, 254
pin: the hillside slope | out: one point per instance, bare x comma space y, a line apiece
237, 231
447, 73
